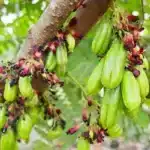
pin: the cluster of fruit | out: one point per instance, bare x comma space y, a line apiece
21, 106
20, 109
57, 59
120, 72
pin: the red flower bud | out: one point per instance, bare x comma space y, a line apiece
131, 27
136, 72
84, 115
21, 101
58, 111
130, 68
76, 34
24, 72
90, 103
50, 112
136, 35
132, 18
128, 41
37, 54
60, 35
73, 129
1, 69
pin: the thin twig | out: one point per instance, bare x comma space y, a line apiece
82, 88
77, 83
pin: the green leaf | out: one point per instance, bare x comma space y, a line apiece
130, 5
82, 61
40, 145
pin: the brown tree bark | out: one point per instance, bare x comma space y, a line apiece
50, 21
88, 16
47, 26
56, 12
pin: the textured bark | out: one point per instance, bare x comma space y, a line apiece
53, 17
90, 14
48, 24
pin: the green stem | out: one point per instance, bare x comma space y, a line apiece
81, 87
77, 83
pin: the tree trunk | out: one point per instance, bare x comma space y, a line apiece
54, 15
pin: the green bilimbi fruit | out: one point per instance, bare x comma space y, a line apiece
50, 61
130, 91
145, 63
94, 83
133, 113
10, 92
34, 114
115, 131
54, 133
113, 106
61, 55
103, 35
103, 115
71, 42
83, 144
110, 107
25, 86
143, 82
7, 140
16, 146
41, 113
130, 113
114, 65
3, 116
24, 127
33, 101
61, 70
62, 59
104, 107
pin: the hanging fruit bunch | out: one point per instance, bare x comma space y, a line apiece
121, 73
21, 106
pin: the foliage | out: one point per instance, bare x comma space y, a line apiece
14, 13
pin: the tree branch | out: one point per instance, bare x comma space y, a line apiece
90, 14
48, 24
53, 17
